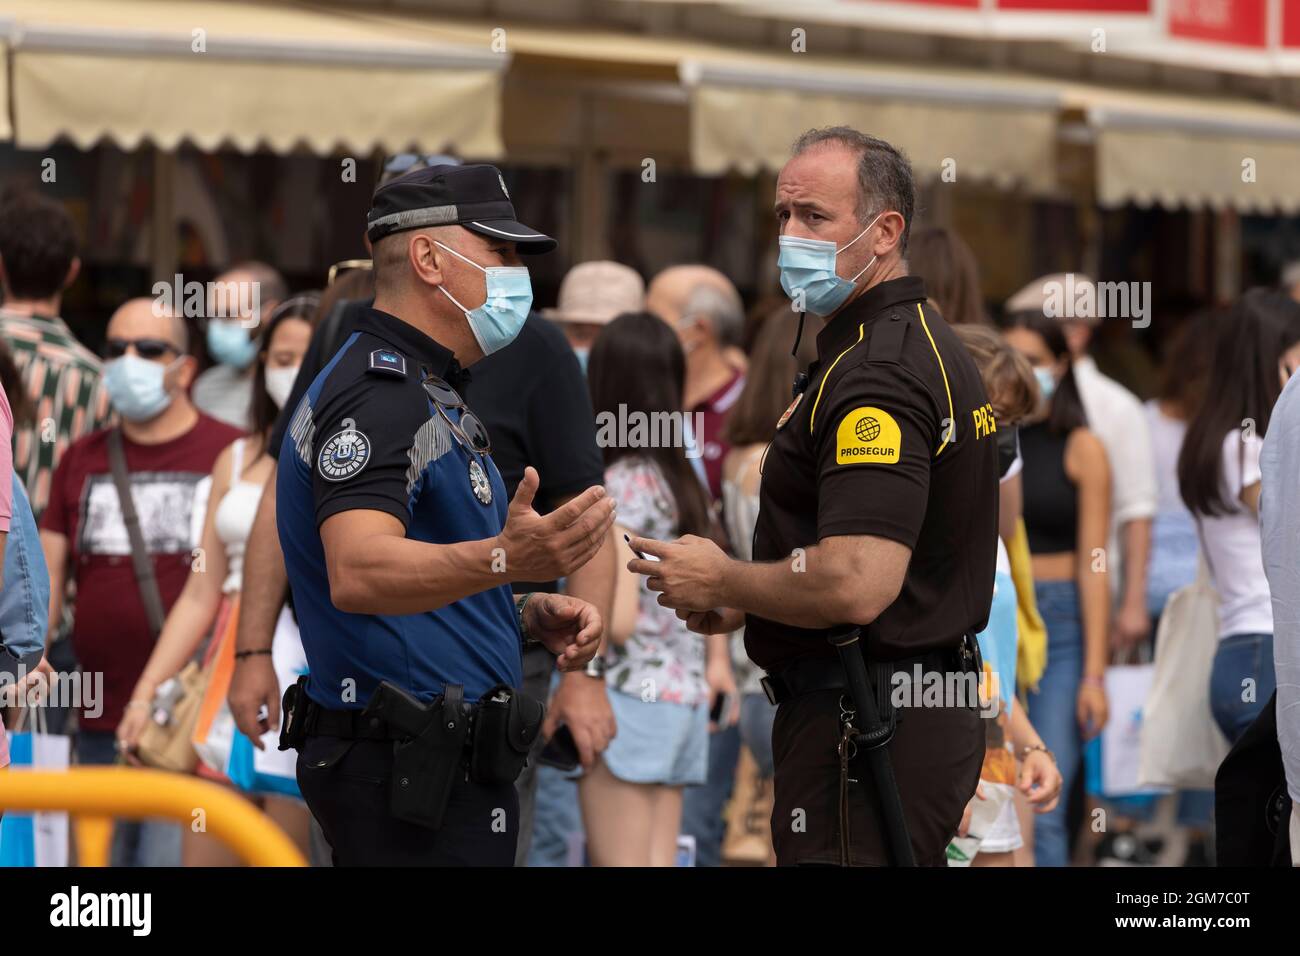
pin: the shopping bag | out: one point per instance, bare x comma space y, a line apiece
35, 839
1111, 758
214, 728
1182, 746
271, 770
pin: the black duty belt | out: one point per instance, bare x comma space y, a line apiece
435, 744
812, 674
349, 724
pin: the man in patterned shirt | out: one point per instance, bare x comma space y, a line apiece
38, 260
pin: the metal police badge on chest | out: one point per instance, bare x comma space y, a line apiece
343, 455
785, 416
479, 482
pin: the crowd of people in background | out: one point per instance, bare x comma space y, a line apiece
1108, 507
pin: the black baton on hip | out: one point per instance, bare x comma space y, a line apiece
873, 737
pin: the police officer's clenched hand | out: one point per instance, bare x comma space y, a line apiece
540, 548
566, 626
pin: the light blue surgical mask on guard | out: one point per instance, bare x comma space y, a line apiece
498, 320
808, 267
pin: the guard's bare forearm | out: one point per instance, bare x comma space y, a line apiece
384, 574
809, 590
266, 582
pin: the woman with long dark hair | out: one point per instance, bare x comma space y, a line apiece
237, 482
952, 276
1255, 348
1066, 510
656, 677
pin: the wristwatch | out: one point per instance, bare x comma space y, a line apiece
595, 668
523, 625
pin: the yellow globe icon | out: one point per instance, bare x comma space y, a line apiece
867, 429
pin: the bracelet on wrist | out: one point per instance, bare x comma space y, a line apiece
1032, 748
1093, 682
240, 655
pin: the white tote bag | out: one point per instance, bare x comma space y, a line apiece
1182, 746
46, 839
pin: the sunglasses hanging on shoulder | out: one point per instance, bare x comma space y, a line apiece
469, 431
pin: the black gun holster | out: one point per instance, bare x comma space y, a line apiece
429, 758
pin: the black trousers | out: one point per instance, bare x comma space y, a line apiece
937, 753
346, 786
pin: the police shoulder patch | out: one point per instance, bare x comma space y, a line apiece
868, 436
388, 362
343, 455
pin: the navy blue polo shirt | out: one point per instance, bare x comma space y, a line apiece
366, 436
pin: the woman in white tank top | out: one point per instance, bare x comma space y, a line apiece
238, 477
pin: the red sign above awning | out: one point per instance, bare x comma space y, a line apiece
1077, 6
1238, 22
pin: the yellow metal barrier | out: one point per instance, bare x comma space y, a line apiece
100, 792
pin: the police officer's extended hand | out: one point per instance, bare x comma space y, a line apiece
254, 686
688, 571
566, 626
540, 548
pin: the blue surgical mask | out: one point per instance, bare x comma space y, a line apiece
808, 266
230, 344
1046, 382
136, 389
498, 320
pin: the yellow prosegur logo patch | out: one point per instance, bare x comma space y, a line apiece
867, 435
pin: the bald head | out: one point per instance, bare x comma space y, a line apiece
697, 292
144, 318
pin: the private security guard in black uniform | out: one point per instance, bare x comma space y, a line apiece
401, 546
878, 511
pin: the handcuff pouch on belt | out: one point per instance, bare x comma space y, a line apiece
506, 723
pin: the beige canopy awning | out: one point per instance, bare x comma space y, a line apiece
245, 75
1193, 152
954, 125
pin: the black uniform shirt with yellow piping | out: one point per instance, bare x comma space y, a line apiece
894, 438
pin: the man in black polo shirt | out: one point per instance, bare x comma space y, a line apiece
878, 508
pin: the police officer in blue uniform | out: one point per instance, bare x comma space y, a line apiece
401, 546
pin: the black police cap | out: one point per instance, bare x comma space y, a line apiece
471, 196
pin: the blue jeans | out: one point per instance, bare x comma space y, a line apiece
757, 714
1241, 657
702, 805
135, 842
1052, 710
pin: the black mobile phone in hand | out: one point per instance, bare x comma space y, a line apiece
640, 554
560, 751
721, 704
